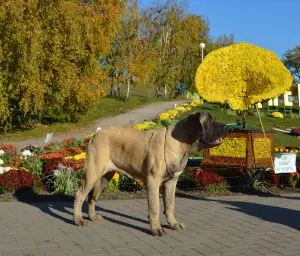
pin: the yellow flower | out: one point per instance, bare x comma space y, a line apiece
23, 169
180, 109
91, 135
149, 123
231, 147
262, 148
173, 113
242, 75
116, 176
164, 116
140, 126
184, 105
277, 115
195, 103
80, 156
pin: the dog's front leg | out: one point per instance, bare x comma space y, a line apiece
153, 207
169, 203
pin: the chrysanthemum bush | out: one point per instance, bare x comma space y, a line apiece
295, 131
294, 179
209, 181
277, 115
241, 75
17, 178
167, 118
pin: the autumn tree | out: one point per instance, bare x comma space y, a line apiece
175, 37
164, 21
129, 56
49, 66
223, 41
194, 30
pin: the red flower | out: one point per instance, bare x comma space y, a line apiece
16, 179
203, 178
9, 148
14, 161
66, 142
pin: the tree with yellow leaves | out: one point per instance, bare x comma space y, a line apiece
49, 53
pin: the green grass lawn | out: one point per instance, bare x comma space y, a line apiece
253, 122
103, 108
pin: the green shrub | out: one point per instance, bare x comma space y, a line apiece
255, 180
34, 164
64, 180
219, 187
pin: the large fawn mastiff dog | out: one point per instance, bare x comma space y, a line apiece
156, 156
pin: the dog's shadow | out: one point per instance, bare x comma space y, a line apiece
270, 213
58, 207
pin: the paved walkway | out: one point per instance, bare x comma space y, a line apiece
146, 112
240, 225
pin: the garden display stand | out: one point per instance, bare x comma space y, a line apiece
242, 148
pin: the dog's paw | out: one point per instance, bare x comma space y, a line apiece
96, 218
159, 232
177, 226
81, 223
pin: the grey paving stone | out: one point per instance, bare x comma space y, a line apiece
253, 253
246, 225
207, 251
176, 251
6, 239
35, 251
147, 251
13, 252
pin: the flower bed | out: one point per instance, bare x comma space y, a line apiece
58, 167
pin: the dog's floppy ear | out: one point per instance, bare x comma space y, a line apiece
193, 124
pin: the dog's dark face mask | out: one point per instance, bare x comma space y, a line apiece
203, 128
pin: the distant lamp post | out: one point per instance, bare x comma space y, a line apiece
202, 46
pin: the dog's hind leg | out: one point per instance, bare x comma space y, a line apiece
92, 176
94, 194
169, 203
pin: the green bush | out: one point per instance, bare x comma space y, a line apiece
64, 180
34, 164
255, 180
219, 187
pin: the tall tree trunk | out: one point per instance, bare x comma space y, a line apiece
156, 91
119, 89
111, 87
128, 88
165, 91
115, 90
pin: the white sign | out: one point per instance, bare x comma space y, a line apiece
285, 163
49, 137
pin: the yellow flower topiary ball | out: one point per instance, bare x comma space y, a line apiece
241, 75
277, 115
